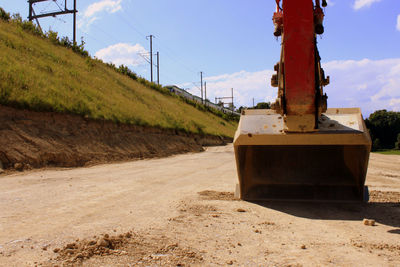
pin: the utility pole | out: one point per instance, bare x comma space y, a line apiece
201, 82
205, 92
253, 102
31, 11
74, 37
232, 100
221, 100
158, 68
62, 11
151, 56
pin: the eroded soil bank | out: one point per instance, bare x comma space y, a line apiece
38, 139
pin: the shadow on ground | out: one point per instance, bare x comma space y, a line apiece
394, 231
383, 213
386, 213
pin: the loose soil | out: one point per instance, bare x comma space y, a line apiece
40, 139
181, 211
142, 250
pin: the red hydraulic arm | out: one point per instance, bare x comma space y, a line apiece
299, 57
299, 73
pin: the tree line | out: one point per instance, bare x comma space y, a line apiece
384, 128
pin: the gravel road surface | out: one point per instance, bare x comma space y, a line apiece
180, 210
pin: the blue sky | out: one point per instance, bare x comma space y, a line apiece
231, 41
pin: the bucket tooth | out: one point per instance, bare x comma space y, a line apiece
329, 164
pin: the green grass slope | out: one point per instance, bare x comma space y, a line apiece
388, 152
38, 75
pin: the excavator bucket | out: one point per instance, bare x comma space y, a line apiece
329, 164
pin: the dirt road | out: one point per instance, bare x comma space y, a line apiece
181, 211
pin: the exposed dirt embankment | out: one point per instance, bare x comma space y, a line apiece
37, 139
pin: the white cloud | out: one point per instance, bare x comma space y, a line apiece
84, 23
398, 23
330, 3
395, 104
364, 3
122, 53
91, 13
368, 84
105, 5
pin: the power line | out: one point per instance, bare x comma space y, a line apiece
44, 9
196, 86
162, 46
133, 27
106, 33
58, 5
177, 58
94, 38
145, 56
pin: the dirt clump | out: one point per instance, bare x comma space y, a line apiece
267, 223
215, 195
19, 166
195, 212
142, 250
384, 196
85, 249
369, 222
199, 209
377, 246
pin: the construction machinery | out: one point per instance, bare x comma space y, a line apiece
300, 149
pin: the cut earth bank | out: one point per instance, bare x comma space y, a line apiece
39, 139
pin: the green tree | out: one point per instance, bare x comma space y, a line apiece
376, 144
384, 127
263, 105
4, 15
397, 145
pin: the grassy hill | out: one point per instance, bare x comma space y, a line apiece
36, 74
